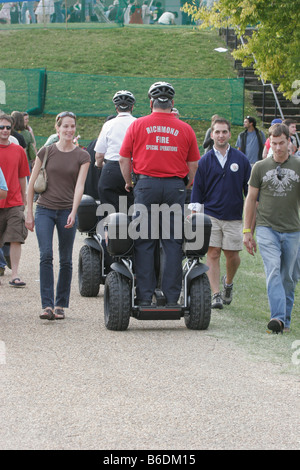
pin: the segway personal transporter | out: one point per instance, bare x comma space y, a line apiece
91, 266
119, 291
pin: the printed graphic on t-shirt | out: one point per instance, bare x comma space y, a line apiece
162, 141
162, 129
280, 180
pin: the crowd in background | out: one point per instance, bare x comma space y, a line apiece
222, 170
121, 11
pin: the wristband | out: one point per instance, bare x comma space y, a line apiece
247, 230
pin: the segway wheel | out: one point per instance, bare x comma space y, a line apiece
117, 301
200, 304
89, 271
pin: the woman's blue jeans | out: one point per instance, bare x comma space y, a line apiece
279, 253
2, 259
4, 251
45, 221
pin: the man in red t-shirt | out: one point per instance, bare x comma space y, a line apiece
14, 164
164, 154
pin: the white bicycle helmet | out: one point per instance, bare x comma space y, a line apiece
124, 99
162, 91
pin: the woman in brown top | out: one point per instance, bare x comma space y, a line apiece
67, 166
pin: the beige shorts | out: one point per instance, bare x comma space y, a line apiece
12, 225
227, 234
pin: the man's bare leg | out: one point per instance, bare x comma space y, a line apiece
232, 264
213, 262
233, 261
15, 256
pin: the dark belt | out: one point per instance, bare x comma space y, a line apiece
142, 177
111, 161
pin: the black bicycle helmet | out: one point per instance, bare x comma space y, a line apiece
124, 99
161, 91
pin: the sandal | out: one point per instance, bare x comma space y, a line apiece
59, 314
47, 314
16, 282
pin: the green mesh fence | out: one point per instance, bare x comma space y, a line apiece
91, 95
41, 140
22, 90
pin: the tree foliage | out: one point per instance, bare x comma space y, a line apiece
275, 43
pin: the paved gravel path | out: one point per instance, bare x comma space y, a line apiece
73, 384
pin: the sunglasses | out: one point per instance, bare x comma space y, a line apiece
279, 173
64, 114
5, 127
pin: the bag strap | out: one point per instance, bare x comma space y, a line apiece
45, 158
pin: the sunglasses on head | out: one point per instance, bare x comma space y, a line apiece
64, 114
5, 127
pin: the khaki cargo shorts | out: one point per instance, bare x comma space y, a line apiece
226, 234
12, 225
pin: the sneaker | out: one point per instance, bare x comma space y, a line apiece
227, 292
217, 301
276, 326
2, 271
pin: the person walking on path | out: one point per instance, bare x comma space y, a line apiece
267, 147
14, 164
276, 180
67, 167
3, 194
29, 128
19, 126
208, 143
251, 141
220, 184
292, 125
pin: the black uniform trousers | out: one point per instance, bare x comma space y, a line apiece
111, 186
157, 197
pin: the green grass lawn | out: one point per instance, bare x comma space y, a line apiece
123, 52
119, 51
245, 320
155, 52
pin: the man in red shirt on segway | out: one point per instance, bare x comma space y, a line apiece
163, 153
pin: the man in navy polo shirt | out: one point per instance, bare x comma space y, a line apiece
220, 184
